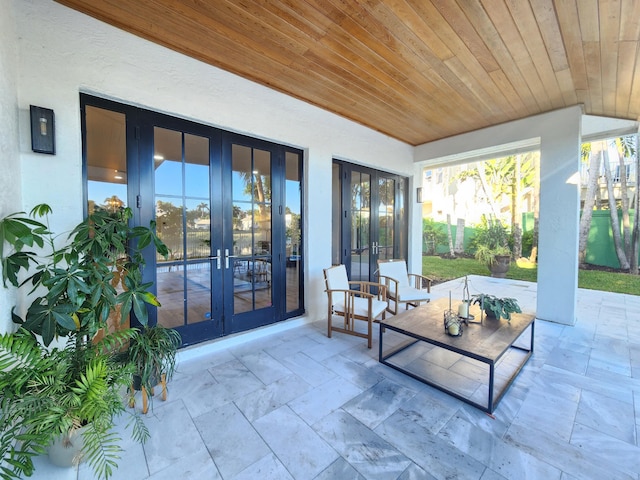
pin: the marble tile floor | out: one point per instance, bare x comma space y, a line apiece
298, 405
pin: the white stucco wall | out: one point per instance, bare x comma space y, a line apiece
558, 136
62, 53
9, 161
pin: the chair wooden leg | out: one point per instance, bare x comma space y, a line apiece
132, 398
329, 322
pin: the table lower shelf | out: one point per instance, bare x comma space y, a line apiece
478, 382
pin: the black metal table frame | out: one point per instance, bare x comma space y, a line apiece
492, 403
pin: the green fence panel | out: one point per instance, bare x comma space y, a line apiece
600, 245
469, 232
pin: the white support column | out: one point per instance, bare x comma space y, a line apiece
559, 135
559, 217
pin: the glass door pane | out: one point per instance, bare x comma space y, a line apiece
336, 215
386, 215
252, 242
293, 234
183, 216
106, 160
360, 225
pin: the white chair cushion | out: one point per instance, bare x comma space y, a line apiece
337, 278
360, 306
411, 294
396, 270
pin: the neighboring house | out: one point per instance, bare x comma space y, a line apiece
444, 193
202, 224
627, 172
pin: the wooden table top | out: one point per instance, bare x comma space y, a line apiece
488, 340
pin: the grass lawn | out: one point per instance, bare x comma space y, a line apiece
441, 270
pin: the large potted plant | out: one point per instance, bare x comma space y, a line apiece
64, 400
152, 352
73, 292
491, 242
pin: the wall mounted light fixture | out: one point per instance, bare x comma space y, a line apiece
43, 137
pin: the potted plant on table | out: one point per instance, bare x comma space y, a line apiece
496, 307
48, 391
492, 246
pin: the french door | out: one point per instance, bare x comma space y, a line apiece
229, 209
369, 218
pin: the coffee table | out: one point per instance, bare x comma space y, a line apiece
477, 367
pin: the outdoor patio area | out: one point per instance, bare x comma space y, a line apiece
299, 405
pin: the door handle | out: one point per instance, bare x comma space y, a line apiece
217, 258
227, 257
374, 248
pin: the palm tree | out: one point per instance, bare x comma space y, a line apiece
591, 153
203, 210
622, 147
506, 176
635, 204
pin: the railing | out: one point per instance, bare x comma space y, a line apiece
615, 174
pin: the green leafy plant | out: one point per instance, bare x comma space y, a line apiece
490, 241
46, 394
433, 235
496, 307
74, 291
152, 351
80, 280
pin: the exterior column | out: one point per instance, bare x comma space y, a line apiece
559, 217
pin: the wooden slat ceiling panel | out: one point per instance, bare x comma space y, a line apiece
416, 70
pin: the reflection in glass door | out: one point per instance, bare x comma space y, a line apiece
183, 218
361, 245
251, 187
106, 159
293, 233
385, 221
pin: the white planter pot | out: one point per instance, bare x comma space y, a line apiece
66, 450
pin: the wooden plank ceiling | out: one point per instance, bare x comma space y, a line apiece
416, 70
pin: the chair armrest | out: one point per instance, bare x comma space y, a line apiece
388, 280
419, 279
351, 293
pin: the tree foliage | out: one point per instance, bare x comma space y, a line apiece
433, 235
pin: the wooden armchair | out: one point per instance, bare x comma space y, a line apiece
403, 287
352, 301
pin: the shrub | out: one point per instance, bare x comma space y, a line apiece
433, 236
